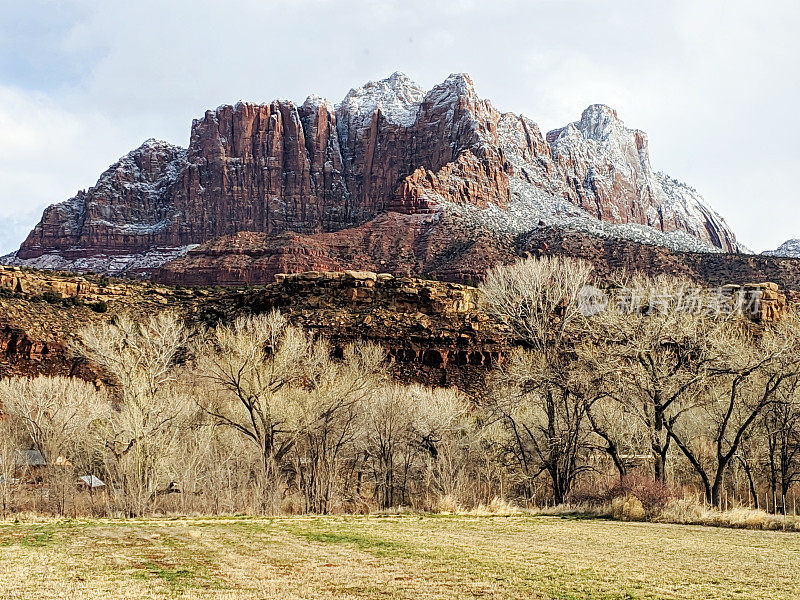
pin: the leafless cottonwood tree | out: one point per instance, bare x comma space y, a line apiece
328, 413
445, 435
62, 419
650, 359
143, 356
745, 379
540, 394
253, 366
388, 418
282, 391
781, 439
8, 460
59, 414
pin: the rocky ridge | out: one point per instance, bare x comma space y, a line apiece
788, 249
433, 332
388, 148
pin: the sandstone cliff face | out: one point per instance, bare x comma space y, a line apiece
387, 147
452, 249
126, 211
442, 245
432, 332
606, 165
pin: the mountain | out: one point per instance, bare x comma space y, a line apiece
438, 181
788, 249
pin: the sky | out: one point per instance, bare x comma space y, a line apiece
714, 84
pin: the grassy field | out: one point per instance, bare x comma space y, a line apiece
415, 557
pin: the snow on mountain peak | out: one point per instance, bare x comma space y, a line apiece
600, 123
316, 102
155, 144
455, 86
789, 248
397, 97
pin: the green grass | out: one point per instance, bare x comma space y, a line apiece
409, 556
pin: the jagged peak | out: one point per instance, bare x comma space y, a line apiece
156, 144
315, 102
455, 86
788, 249
245, 105
397, 97
599, 110
600, 123
461, 82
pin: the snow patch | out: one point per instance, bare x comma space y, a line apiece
788, 249
110, 264
397, 97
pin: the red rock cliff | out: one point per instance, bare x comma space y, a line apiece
387, 147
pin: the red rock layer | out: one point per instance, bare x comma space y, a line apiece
278, 168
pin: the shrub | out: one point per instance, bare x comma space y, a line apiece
627, 496
628, 508
51, 297
71, 301
653, 495
100, 306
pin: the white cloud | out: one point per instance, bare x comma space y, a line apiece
712, 83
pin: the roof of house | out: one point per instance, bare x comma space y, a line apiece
30, 458
92, 481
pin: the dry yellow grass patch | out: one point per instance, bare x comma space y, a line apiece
403, 556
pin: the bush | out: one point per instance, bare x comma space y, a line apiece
71, 301
628, 508
653, 495
627, 496
51, 297
100, 306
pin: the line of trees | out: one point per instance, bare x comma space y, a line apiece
259, 416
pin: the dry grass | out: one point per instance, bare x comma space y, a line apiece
398, 556
689, 512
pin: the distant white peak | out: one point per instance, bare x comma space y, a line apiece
397, 97
316, 102
789, 248
447, 92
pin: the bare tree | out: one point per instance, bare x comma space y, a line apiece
649, 353
545, 414
541, 395
60, 417
388, 418
143, 357
781, 428
56, 412
539, 299
444, 431
256, 365
328, 413
8, 459
745, 379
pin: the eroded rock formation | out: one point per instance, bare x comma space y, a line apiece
433, 332
388, 147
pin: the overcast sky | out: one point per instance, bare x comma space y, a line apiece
713, 83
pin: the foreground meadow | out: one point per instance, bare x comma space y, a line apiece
408, 556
